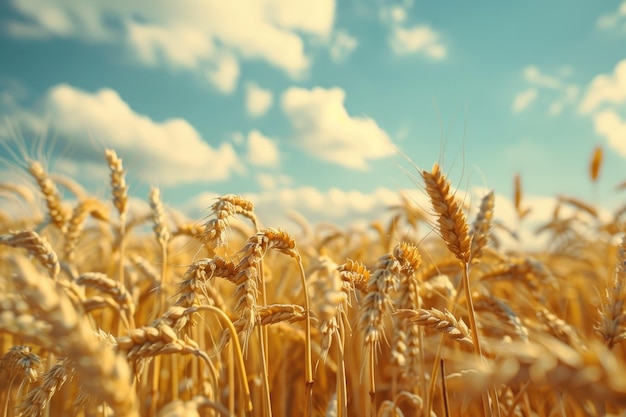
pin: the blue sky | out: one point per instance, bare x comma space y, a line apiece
294, 103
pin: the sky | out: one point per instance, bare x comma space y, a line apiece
318, 106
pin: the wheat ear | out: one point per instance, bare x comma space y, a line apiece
408, 339
376, 303
481, 229
442, 321
161, 230
120, 200
596, 163
114, 289
198, 277
37, 246
612, 316
58, 213
76, 223
38, 398
355, 275
20, 365
224, 208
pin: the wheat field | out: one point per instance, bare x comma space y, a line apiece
104, 312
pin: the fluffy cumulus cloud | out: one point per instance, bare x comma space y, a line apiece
163, 152
536, 77
324, 128
605, 89
273, 181
225, 74
258, 100
331, 204
554, 89
610, 125
405, 39
201, 35
262, 151
357, 210
342, 45
524, 99
417, 39
273, 206
616, 19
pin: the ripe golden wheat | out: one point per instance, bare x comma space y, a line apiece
99, 317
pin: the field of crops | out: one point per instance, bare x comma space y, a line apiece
106, 312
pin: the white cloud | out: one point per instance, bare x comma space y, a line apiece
342, 45
272, 182
612, 20
262, 151
188, 34
524, 99
345, 207
258, 100
356, 210
396, 14
417, 39
406, 40
566, 70
553, 89
163, 152
238, 138
180, 47
605, 88
313, 17
609, 124
64, 18
536, 77
323, 127
224, 77
569, 96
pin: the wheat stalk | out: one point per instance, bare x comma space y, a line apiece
454, 231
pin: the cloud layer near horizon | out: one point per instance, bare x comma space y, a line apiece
164, 152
